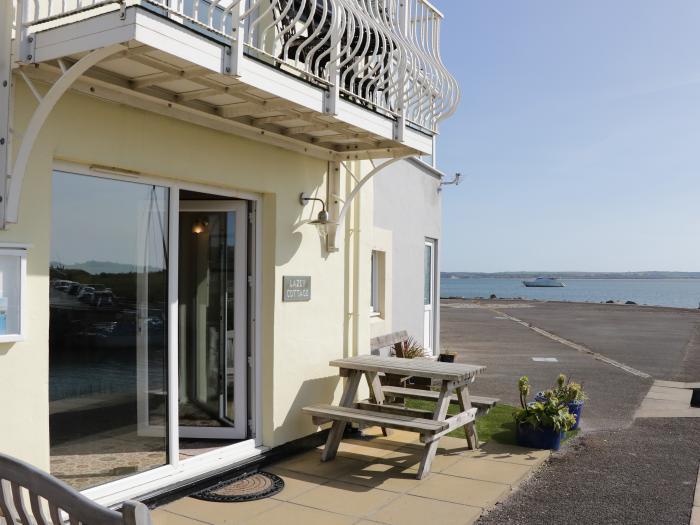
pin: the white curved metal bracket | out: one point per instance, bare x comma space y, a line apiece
333, 226
36, 123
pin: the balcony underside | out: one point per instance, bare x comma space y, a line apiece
172, 70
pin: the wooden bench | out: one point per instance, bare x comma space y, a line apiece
483, 404
390, 417
395, 341
50, 501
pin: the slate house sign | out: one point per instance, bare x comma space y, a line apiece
296, 288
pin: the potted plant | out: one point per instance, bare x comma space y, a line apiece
570, 394
540, 424
447, 356
408, 349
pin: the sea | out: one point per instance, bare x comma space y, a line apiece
677, 293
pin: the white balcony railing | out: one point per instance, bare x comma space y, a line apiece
382, 54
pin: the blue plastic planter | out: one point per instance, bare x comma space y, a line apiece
575, 408
545, 438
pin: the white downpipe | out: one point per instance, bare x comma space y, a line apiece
39, 119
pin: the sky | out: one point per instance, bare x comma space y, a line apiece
578, 135
98, 219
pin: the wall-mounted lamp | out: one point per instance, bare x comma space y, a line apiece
322, 219
455, 181
200, 226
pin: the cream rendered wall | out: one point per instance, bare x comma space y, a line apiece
298, 339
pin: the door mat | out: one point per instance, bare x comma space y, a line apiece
247, 487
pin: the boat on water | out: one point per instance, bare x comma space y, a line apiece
544, 282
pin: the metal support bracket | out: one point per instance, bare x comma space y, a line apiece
333, 226
41, 113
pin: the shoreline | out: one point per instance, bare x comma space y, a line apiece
553, 301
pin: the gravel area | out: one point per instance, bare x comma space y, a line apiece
644, 474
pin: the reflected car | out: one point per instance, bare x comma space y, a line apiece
86, 294
65, 286
101, 298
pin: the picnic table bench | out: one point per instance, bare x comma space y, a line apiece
454, 378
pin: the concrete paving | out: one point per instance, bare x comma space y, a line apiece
667, 399
482, 336
372, 480
655, 340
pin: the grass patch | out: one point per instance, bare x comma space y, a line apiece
497, 425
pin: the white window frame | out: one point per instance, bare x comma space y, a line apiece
181, 470
19, 251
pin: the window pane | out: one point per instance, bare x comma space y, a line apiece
374, 306
427, 280
108, 326
10, 276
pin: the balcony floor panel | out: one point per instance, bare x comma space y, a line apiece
168, 67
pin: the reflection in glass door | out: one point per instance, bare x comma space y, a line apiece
108, 322
212, 319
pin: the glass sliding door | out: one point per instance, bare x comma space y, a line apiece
108, 343
212, 290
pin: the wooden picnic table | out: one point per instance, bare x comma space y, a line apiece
453, 378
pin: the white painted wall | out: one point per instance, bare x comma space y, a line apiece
407, 210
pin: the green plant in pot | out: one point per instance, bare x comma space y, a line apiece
568, 393
412, 349
540, 424
408, 349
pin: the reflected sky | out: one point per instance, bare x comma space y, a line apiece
95, 218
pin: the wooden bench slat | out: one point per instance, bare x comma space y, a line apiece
383, 341
369, 417
395, 409
431, 395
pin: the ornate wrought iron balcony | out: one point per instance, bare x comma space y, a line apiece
334, 77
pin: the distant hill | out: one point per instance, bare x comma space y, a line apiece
100, 267
573, 275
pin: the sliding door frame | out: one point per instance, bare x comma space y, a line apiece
177, 470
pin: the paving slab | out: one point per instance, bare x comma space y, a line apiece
346, 498
487, 470
414, 510
466, 491
290, 513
